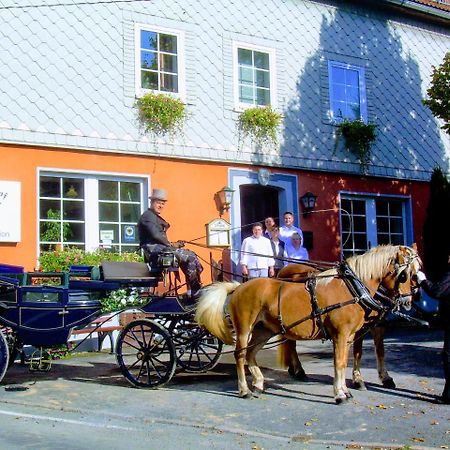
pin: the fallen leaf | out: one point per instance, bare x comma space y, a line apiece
308, 424
381, 406
418, 439
434, 422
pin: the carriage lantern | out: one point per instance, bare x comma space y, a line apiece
224, 198
308, 201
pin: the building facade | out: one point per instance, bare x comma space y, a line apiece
76, 168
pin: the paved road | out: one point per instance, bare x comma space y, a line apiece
84, 402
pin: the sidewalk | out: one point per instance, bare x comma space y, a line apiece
203, 410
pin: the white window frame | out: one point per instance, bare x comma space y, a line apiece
91, 203
180, 55
238, 106
362, 88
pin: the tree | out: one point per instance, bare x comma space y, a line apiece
436, 229
439, 93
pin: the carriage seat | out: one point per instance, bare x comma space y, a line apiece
130, 273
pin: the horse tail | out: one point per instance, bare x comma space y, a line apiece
210, 310
283, 354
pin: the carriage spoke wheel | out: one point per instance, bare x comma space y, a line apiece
197, 350
146, 354
4, 355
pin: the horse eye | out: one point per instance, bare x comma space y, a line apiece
402, 277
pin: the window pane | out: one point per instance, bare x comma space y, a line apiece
73, 188
73, 210
50, 231
169, 63
73, 232
262, 96
353, 95
130, 213
108, 190
395, 209
359, 223
168, 43
130, 192
149, 80
149, 60
246, 94
48, 207
382, 208
109, 212
112, 230
352, 77
246, 75
338, 75
169, 83
396, 225
129, 234
50, 187
261, 60
245, 57
397, 240
352, 112
149, 40
382, 225
383, 239
262, 78
338, 109
359, 207
360, 242
339, 93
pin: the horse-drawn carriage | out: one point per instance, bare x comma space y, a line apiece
41, 309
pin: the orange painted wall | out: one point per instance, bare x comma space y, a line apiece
190, 185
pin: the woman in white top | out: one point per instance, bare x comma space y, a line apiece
296, 250
256, 255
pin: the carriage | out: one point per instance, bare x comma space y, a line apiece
41, 309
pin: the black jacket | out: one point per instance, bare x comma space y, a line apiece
440, 290
152, 229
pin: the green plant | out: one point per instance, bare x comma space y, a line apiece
61, 260
160, 114
439, 93
52, 230
260, 124
121, 299
359, 137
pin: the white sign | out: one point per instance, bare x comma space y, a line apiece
107, 236
10, 205
218, 233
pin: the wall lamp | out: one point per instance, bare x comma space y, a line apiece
308, 201
224, 199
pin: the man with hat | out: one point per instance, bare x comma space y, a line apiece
153, 239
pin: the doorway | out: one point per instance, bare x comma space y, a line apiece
257, 203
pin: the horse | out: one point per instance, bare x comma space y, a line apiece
288, 356
335, 304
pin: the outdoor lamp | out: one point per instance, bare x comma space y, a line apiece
308, 201
224, 199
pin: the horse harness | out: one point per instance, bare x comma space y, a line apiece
356, 287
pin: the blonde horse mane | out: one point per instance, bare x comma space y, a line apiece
373, 264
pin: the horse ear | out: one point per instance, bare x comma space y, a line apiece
414, 246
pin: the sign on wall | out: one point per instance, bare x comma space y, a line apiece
218, 233
10, 205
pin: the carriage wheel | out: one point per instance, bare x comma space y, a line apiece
197, 349
4, 355
146, 354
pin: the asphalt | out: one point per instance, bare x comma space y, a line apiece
84, 401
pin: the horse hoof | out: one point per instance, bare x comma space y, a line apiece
257, 392
348, 395
359, 385
300, 375
340, 400
248, 395
389, 383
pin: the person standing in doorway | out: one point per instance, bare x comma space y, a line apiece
288, 229
278, 249
256, 254
295, 250
269, 223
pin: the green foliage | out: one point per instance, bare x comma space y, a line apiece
52, 230
59, 351
122, 299
61, 260
359, 137
160, 114
436, 238
439, 93
260, 124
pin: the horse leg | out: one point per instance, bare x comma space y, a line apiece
295, 368
358, 381
340, 343
260, 336
378, 339
240, 353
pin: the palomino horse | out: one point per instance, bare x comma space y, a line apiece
336, 304
287, 350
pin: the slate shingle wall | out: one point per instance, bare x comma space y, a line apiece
67, 79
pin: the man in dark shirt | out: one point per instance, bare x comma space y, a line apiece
153, 239
440, 290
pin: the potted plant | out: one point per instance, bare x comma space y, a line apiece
260, 124
359, 137
160, 114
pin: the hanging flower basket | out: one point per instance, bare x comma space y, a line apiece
160, 114
260, 124
359, 137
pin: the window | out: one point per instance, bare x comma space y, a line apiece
254, 79
159, 61
347, 92
89, 212
370, 221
